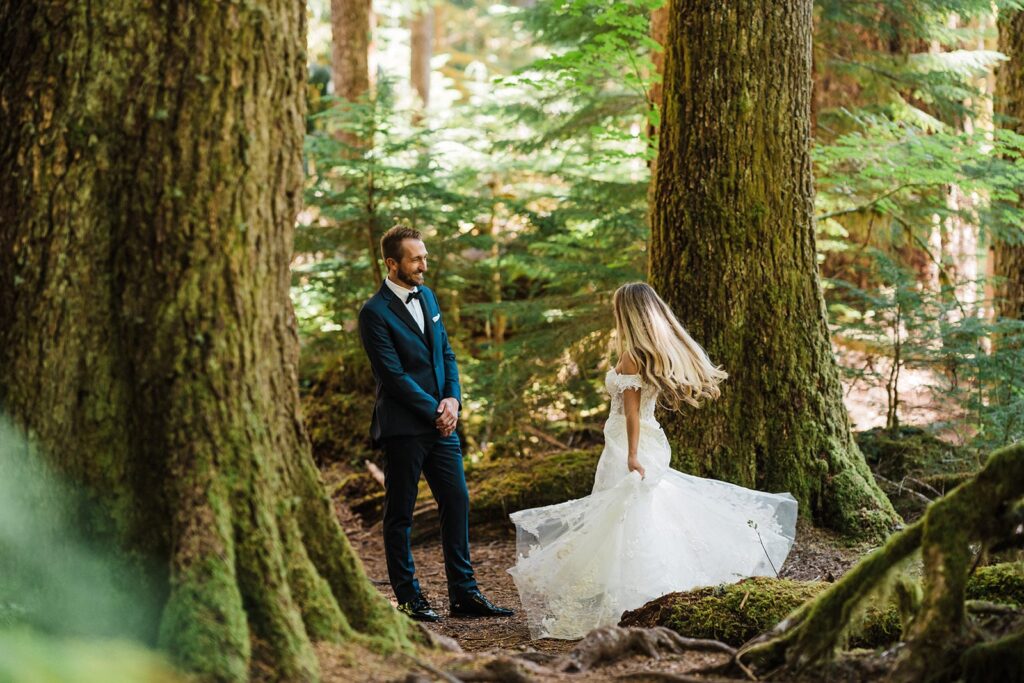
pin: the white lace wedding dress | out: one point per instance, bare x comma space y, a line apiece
583, 562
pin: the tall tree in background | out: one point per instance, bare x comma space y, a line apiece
148, 346
659, 33
733, 252
351, 36
421, 49
1008, 255
350, 32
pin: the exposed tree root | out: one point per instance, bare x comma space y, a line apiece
665, 677
979, 511
602, 646
504, 668
612, 643
438, 641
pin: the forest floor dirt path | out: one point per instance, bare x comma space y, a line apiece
817, 555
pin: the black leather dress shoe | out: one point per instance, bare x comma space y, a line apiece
419, 609
474, 604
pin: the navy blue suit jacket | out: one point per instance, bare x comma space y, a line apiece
414, 370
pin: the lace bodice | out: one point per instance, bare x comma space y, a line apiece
615, 384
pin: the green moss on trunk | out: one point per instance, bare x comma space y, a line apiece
733, 252
152, 157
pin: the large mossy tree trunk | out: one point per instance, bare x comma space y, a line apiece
733, 252
152, 165
1008, 254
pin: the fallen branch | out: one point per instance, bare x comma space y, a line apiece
900, 489
544, 436
932, 491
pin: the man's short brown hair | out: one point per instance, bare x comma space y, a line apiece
391, 241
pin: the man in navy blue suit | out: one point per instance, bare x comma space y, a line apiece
414, 420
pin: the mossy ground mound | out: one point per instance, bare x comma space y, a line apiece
912, 451
735, 613
495, 488
1002, 582
915, 466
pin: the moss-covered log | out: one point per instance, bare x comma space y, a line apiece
973, 513
733, 252
151, 157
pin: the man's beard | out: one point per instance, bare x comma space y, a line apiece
407, 279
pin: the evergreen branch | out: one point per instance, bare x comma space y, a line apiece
877, 200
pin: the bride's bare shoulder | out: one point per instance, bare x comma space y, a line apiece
627, 365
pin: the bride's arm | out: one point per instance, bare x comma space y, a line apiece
631, 410
631, 407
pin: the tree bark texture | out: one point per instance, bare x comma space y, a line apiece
1008, 255
733, 252
152, 164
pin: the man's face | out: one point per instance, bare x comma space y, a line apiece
409, 271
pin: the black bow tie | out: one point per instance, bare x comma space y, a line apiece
412, 295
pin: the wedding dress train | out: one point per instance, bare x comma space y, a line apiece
582, 563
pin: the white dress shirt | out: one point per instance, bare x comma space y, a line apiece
414, 307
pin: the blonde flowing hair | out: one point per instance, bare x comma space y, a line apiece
667, 356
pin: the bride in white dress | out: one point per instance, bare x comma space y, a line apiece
646, 529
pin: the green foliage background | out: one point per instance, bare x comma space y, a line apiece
530, 182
